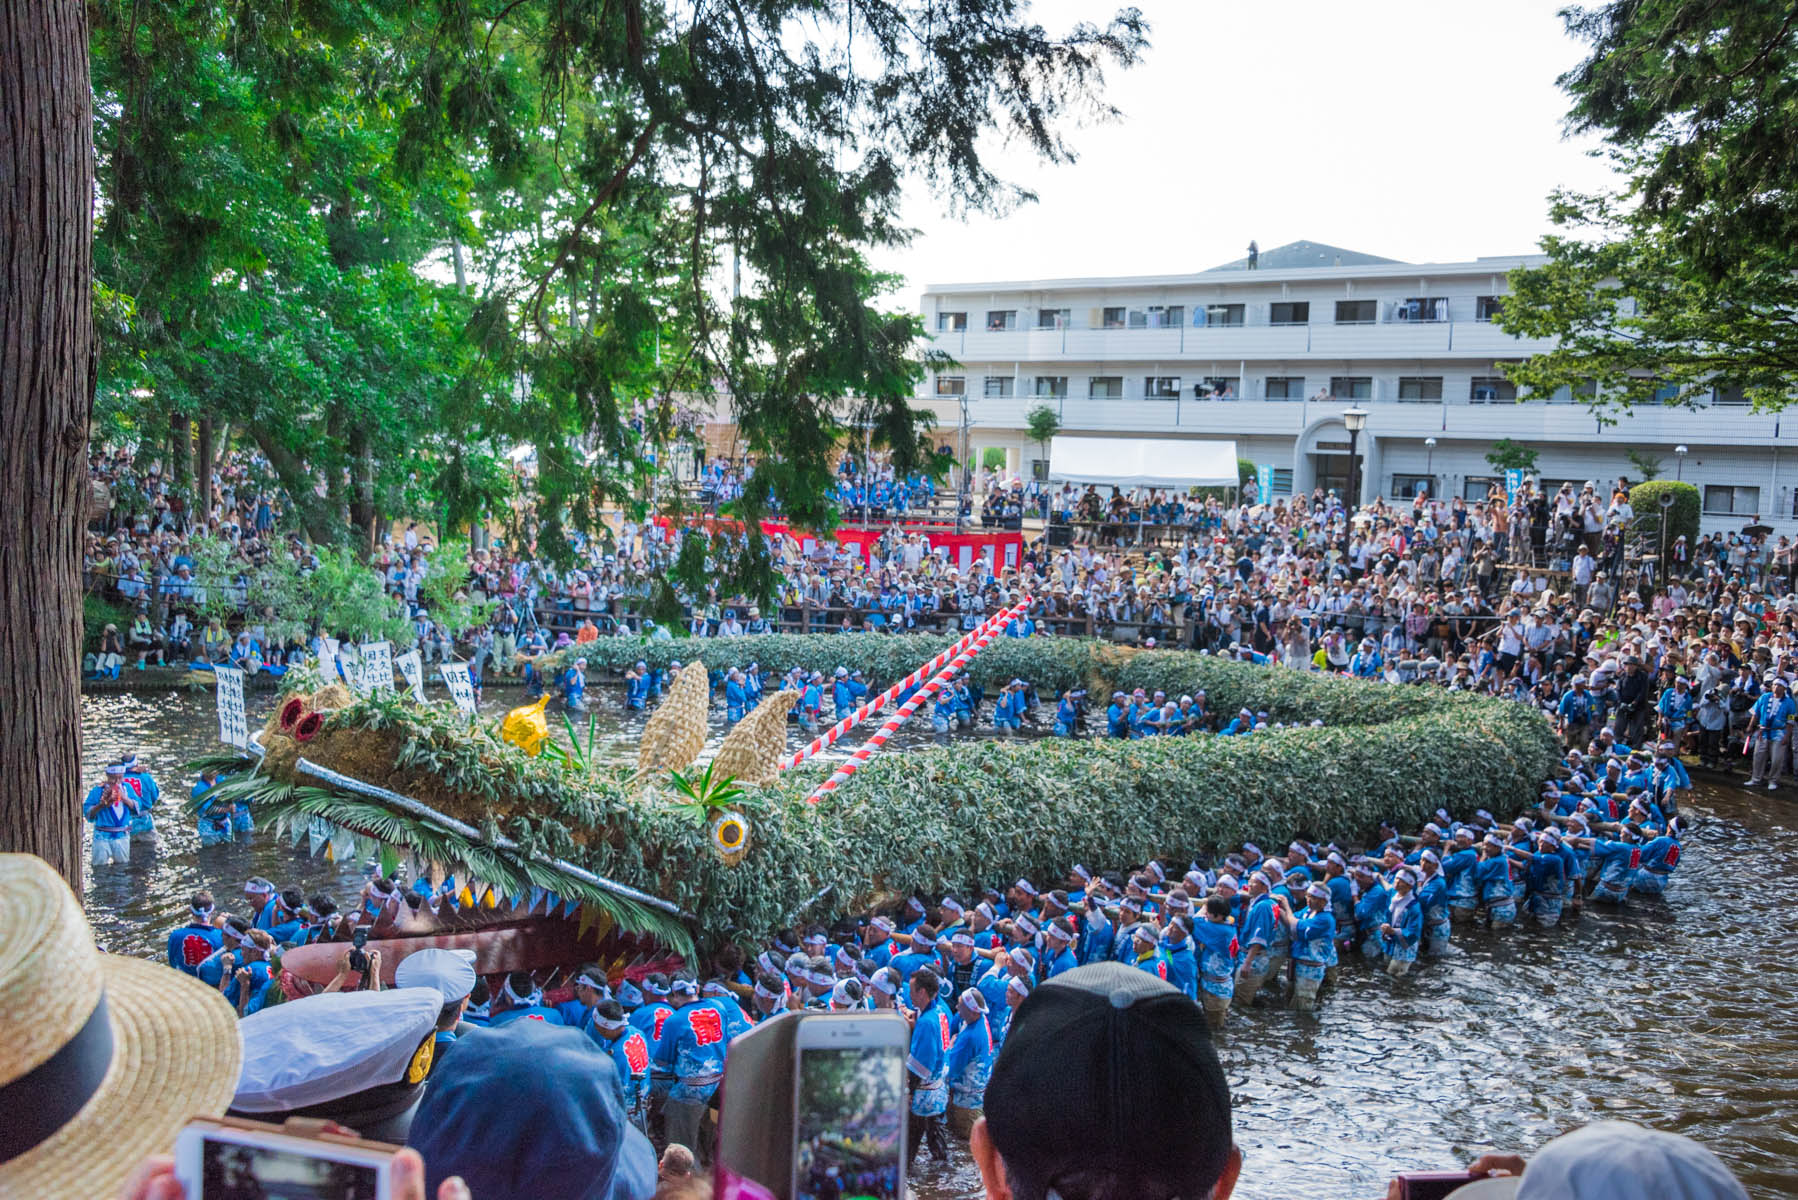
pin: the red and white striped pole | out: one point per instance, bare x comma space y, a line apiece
870, 707
982, 639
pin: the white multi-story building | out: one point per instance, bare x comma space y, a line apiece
1271, 356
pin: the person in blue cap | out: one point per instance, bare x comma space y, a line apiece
1432, 893
1492, 876
1313, 945
590, 987
691, 1049
1215, 932
111, 806
811, 702
1659, 857
970, 1063
927, 1067
1256, 936
215, 821
139, 779
574, 685
520, 999
736, 696
943, 710
197, 939
636, 686
565, 1135
1457, 869
1067, 713
1117, 716
630, 1058
1402, 931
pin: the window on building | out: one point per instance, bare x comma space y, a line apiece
1053, 386
951, 322
1422, 308
1222, 387
1409, 487
1285, 387
1475, 488
1105, 387
1000, 319
951, 385
1052, 318
1289, 312
1584, 393
1728, 395
1726, 501
1157, 316
1487, 307
1492, 389
1111, 318
1356, 312
1161, 387
1217, 314
1351, 387
998, 387
1282, 481
1420, 387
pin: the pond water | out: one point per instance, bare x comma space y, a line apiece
1673, 1013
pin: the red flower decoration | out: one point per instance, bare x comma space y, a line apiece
308, 727
291, 712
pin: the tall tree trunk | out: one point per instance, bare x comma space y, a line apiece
46, 399
203, 486
181, 456
362, 488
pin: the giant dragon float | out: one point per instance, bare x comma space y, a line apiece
536, 853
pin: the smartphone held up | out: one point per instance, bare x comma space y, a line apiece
229, 1159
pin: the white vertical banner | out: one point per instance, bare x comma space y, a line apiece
413, 668
461, 688
349, 660
327, 658
377, 667
234, 728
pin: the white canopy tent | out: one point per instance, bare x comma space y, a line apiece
1143, 462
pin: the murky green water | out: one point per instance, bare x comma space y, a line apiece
1676, 1014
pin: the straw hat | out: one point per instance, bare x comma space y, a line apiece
148, 1048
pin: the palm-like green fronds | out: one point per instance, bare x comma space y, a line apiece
704, 794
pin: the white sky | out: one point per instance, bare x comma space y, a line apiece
1421, 130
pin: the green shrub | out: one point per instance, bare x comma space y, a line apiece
1682, 515
933, 820
98, 612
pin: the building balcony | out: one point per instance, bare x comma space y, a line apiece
1384, 339
1527, 422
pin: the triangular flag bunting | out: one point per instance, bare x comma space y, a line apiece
589, 914
537, 895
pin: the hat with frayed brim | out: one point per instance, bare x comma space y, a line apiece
105, 1057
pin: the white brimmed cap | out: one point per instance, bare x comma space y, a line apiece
331, 1046
1614, 1160
451, 972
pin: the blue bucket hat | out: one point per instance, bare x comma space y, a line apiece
566, 1137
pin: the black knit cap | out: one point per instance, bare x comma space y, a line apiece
1108, 1071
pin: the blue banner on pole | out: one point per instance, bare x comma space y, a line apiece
1513, 484
1264, 483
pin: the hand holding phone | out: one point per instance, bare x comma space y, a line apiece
231, 1159
849, 1106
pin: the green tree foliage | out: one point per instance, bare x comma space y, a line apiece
1507, 455
1681, 516
1679, 280
993, 458
647, 207
1648, 466
1042, 423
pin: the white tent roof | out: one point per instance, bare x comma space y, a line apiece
1143, 462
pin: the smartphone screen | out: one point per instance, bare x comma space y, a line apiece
848, 1123
233, 1171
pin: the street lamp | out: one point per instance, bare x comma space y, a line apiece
1354, 420
1679, 458
1429, 444
961, 500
